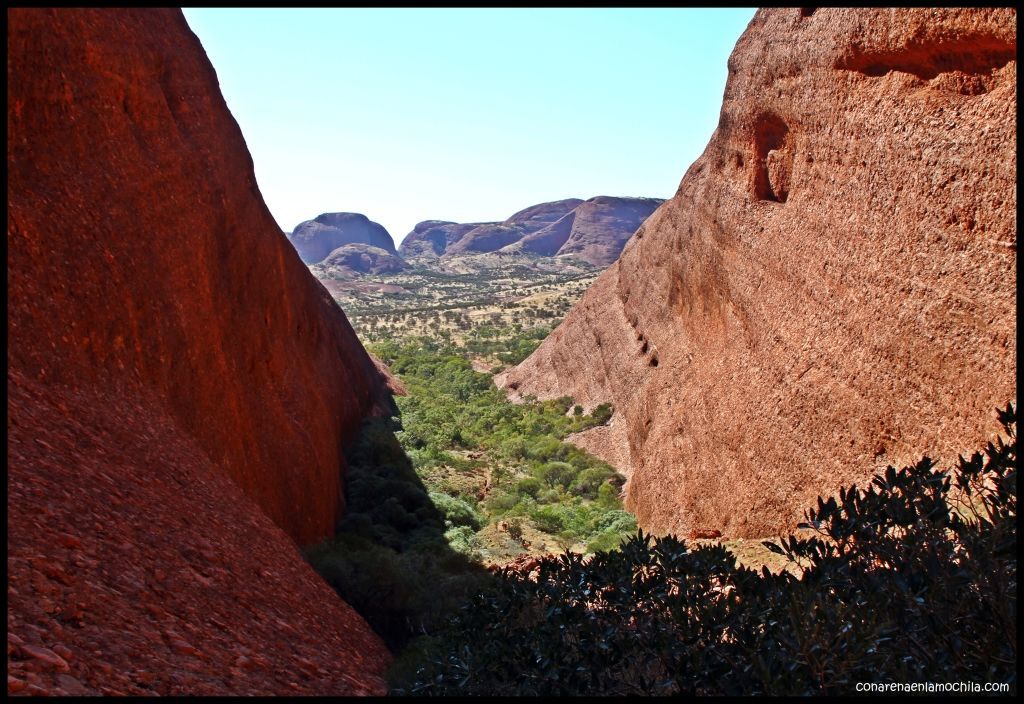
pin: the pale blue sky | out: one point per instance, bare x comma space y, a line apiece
466, 115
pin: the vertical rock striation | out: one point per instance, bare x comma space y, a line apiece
832, 288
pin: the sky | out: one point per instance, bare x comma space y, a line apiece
467, 115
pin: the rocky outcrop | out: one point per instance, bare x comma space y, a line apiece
180, 388
832, 288
595, 231
353, 259
432, 238
602, 226
317, 238
489, 237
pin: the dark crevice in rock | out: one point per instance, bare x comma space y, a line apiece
972, 55
773, 158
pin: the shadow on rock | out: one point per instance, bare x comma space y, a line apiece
390, 559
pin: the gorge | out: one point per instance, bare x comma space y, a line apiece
193, 419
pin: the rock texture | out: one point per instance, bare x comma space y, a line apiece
602, 226
595, 231
180, 388
832, 288
432, 238
489, 237
315, 239
350, 259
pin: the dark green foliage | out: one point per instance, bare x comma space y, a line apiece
452, 410
528, 486
913, 579
602, 413
391, 559
556, 474
515, 529
588, 482
456, 511
510, 347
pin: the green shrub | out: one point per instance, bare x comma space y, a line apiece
616, 522
549, 496
528, 486
608, 496
458, 512
548, 519
515, 529
602, 413
546, 448
463, 540
499, 503
589, 482
608, 540
556, 474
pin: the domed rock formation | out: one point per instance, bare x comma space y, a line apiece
180, 387
489, 237
315, 239
594, 231
832, 287
350, 259
432, 238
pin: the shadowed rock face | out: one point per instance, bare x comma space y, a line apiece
595, 231
603, 225
363, 259
432, 238
489, 237
315, 239
831, 289
180, 387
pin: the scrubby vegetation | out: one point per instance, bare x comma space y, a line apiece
392, 558
462, 478
911, 580
487, 460
509, 345
461, 295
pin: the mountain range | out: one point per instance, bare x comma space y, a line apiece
593, 231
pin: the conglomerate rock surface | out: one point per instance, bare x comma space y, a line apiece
181, 389
832, 288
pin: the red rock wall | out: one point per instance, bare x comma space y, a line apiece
140, 249
166, 345
832, 288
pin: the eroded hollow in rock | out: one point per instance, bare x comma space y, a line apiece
773, 158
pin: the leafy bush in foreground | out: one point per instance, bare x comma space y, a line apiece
913, 579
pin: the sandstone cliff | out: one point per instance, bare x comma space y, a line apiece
178, 384
831, 289
317, 238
